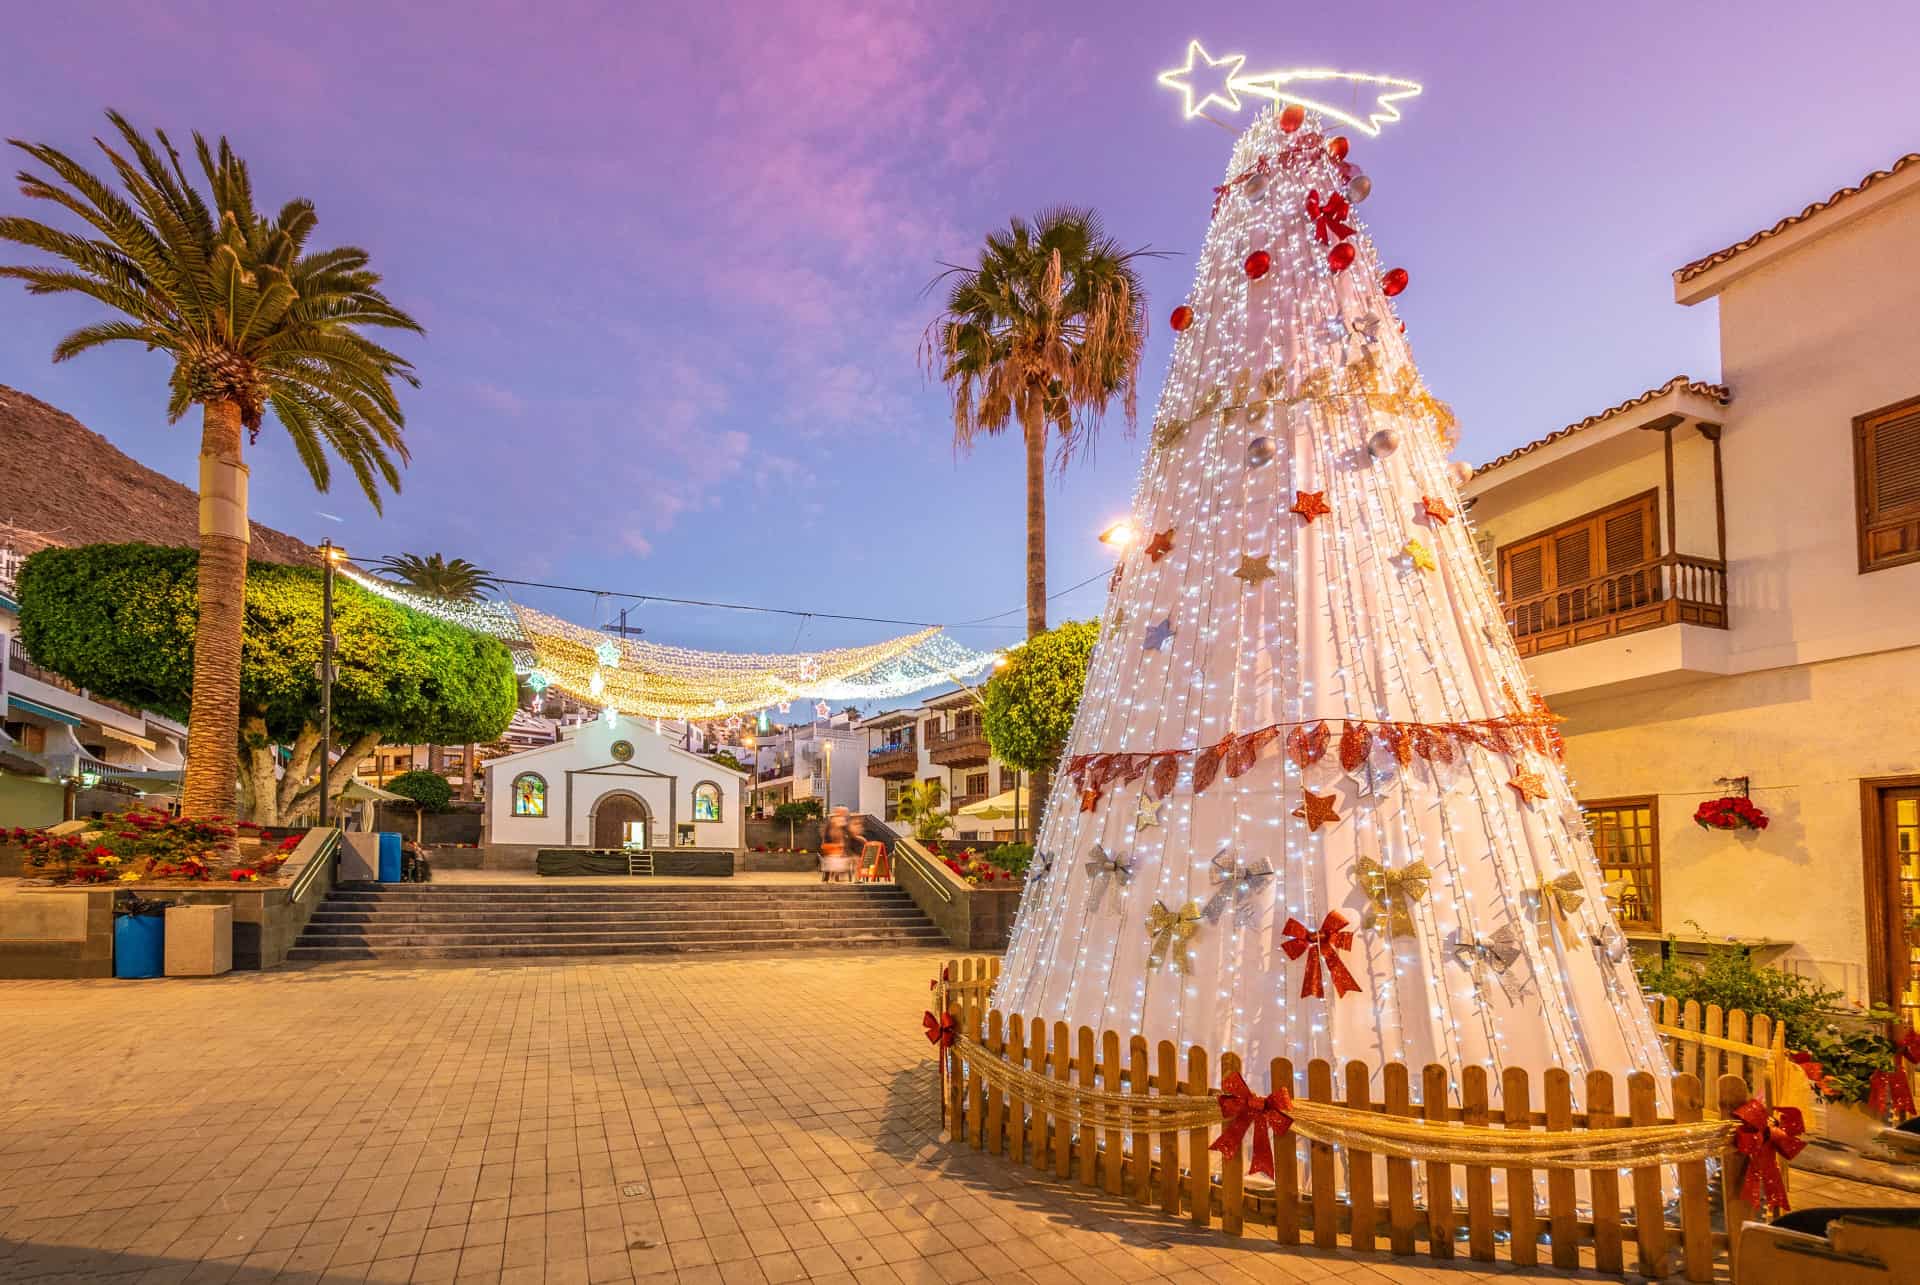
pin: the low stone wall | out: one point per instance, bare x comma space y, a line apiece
773, 834
48, 931
460, 823
780, 862
971, 917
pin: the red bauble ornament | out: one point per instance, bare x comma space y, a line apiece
1292, 117
1257, 264
1340, 258
1337, 147
1394, 282
1182, 317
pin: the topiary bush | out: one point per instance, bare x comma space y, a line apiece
428, 789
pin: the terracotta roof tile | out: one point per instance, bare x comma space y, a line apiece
1719, 257
1679, 383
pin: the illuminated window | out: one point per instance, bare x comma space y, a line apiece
529, 795
1626, 837
706, 802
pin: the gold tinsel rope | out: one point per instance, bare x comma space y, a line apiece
1630, 1147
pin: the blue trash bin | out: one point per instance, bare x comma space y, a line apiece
389, 857
139, 945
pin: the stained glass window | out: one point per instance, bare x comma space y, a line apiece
706, 802
529, 795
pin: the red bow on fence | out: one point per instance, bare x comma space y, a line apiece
1241, 1109
1907, 1046
1330, 219
1763, 1142
1890, 1089
1317, 946
1816, 1074
942, 1030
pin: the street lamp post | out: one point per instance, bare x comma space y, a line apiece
331, 555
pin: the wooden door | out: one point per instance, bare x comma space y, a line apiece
614, 820
1893, 872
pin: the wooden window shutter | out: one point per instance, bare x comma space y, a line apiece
1887, 470
1573, 556
1626, 539
1526, 571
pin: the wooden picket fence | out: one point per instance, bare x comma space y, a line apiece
1340, 1197
1708, 1043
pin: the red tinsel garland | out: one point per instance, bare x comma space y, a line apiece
1306, 742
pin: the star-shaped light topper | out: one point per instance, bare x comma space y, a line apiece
1207, 81
1215, 76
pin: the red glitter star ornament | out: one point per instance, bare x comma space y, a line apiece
1528, 785
1317, 809
1436, 510
1161, 544
1310, 504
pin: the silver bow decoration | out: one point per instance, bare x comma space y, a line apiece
1497, 954
1234, 885
1040, 866
1609, 952
1107, 870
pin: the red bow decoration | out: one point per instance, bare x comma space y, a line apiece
1907, 1046
1890, 1089
1330, 219
1763, 1142
941, 1031
1241, 1109
1333, 936
1814, 1072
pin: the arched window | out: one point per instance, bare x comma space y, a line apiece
529, 795
706, 801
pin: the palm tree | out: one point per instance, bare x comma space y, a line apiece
1045, 332
251, 320
456, 580
919, 807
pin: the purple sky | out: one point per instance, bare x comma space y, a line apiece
670, 257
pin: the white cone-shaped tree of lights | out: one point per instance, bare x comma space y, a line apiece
1306, 717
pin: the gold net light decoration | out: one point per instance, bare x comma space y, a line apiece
654, 680
1306, 671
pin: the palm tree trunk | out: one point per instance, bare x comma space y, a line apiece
469, 772
1034, 426
213, 727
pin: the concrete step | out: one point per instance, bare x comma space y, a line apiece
493, 923
545, 949
681, 936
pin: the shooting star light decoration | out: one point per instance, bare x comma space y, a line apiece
1206, 80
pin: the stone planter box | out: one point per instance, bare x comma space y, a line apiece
199, 941
972, 917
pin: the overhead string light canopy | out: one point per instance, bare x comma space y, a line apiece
654, 680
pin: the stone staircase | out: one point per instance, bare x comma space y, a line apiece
502, 921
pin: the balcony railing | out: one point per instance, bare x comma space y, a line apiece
966, 800
889, 762
1675, 589
20, 663
961, 747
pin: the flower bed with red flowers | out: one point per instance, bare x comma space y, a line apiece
134, 846
1735, 812
974, 868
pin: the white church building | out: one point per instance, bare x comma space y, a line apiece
611, 788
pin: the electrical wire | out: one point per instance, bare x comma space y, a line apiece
981, 622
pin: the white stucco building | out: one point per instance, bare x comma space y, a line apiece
1718, 587
942, 741
612, 787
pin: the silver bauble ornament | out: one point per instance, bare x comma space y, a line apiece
1259, 452
1256, 187
1359, 187
1383, 443
1461, 472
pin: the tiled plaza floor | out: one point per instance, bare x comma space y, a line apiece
742, 1119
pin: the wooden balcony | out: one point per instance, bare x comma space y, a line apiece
964, 746
1676, 589
893, 762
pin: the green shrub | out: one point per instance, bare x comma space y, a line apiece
1014, 858
429, 789
1849, 1045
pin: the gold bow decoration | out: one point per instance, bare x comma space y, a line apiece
1563, 895
1394, 891
1169, 932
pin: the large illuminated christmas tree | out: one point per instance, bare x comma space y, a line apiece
1309, 808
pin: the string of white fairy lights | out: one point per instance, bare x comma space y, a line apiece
656, 680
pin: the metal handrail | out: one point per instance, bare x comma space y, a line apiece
320, 859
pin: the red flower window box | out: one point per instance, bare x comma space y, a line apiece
1735, 812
